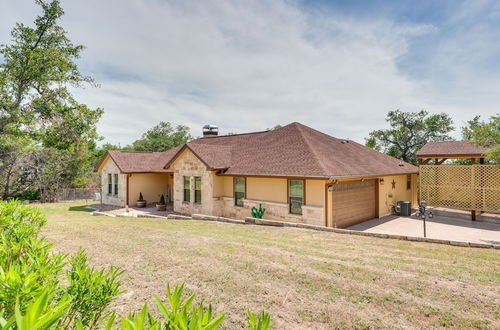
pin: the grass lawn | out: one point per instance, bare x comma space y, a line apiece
304, 278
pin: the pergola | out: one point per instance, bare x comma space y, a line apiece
473, 187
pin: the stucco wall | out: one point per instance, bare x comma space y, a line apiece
315, 192
389, 195
107, 167
223, 186
267, 189
152, 186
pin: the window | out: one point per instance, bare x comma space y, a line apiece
116, 184
197, 189
296, 196
239, 191
187, 188
408, 182
110, 183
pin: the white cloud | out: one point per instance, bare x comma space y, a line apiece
244, 65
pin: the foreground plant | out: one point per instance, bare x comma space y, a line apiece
31, 276
33, 295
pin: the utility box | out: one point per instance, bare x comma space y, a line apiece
404, 208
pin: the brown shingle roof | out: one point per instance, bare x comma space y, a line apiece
141, 162
450, 149
294, 150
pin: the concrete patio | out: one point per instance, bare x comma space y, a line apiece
439, 227
133, 211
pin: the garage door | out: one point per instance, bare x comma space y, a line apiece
353, 202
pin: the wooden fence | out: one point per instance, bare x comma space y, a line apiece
465, 187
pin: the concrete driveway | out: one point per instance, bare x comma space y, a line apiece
439, 227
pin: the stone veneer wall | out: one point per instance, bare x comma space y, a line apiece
120, 199
189, 165
274, 211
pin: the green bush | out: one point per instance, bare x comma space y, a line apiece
41, 289
31, 275
258, 212
162, 200
29, 195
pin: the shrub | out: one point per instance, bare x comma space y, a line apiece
140, 197
258, 212
29, 195
33, 295
162, 200
30, 274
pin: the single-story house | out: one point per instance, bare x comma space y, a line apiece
297, 173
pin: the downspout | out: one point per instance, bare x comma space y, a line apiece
126, 197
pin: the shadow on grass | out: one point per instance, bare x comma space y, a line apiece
81, 208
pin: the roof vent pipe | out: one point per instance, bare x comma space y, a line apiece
210, 130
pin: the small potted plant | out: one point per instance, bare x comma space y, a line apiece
161, 205
140, 202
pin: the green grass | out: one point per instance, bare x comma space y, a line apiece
304, 278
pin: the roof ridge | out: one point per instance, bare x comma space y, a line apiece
313, 150
229, 135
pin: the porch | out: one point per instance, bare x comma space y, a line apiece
132, 211
151, 186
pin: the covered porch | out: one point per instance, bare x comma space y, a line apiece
151, 185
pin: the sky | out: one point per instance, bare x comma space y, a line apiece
337, 66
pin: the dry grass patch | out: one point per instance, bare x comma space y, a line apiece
304, 278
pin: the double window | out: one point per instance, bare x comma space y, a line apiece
187, 189
239, 190
197, 189
110, 183
295, 196
116, 184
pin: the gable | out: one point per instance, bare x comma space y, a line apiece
105, 163
108, 165
186, 158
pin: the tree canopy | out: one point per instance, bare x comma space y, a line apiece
37, 69
162, 137
408, 132
485, 134
45, 132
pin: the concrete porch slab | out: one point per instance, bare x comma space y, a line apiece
439, 227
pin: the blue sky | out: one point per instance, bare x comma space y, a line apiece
337, 66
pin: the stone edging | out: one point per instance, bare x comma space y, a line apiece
276, 223
362, 233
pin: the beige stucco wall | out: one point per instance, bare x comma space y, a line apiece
109, 166
315, 192
267, 189
223, 186
152, 186
389, 196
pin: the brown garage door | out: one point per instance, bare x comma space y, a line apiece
353, 202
